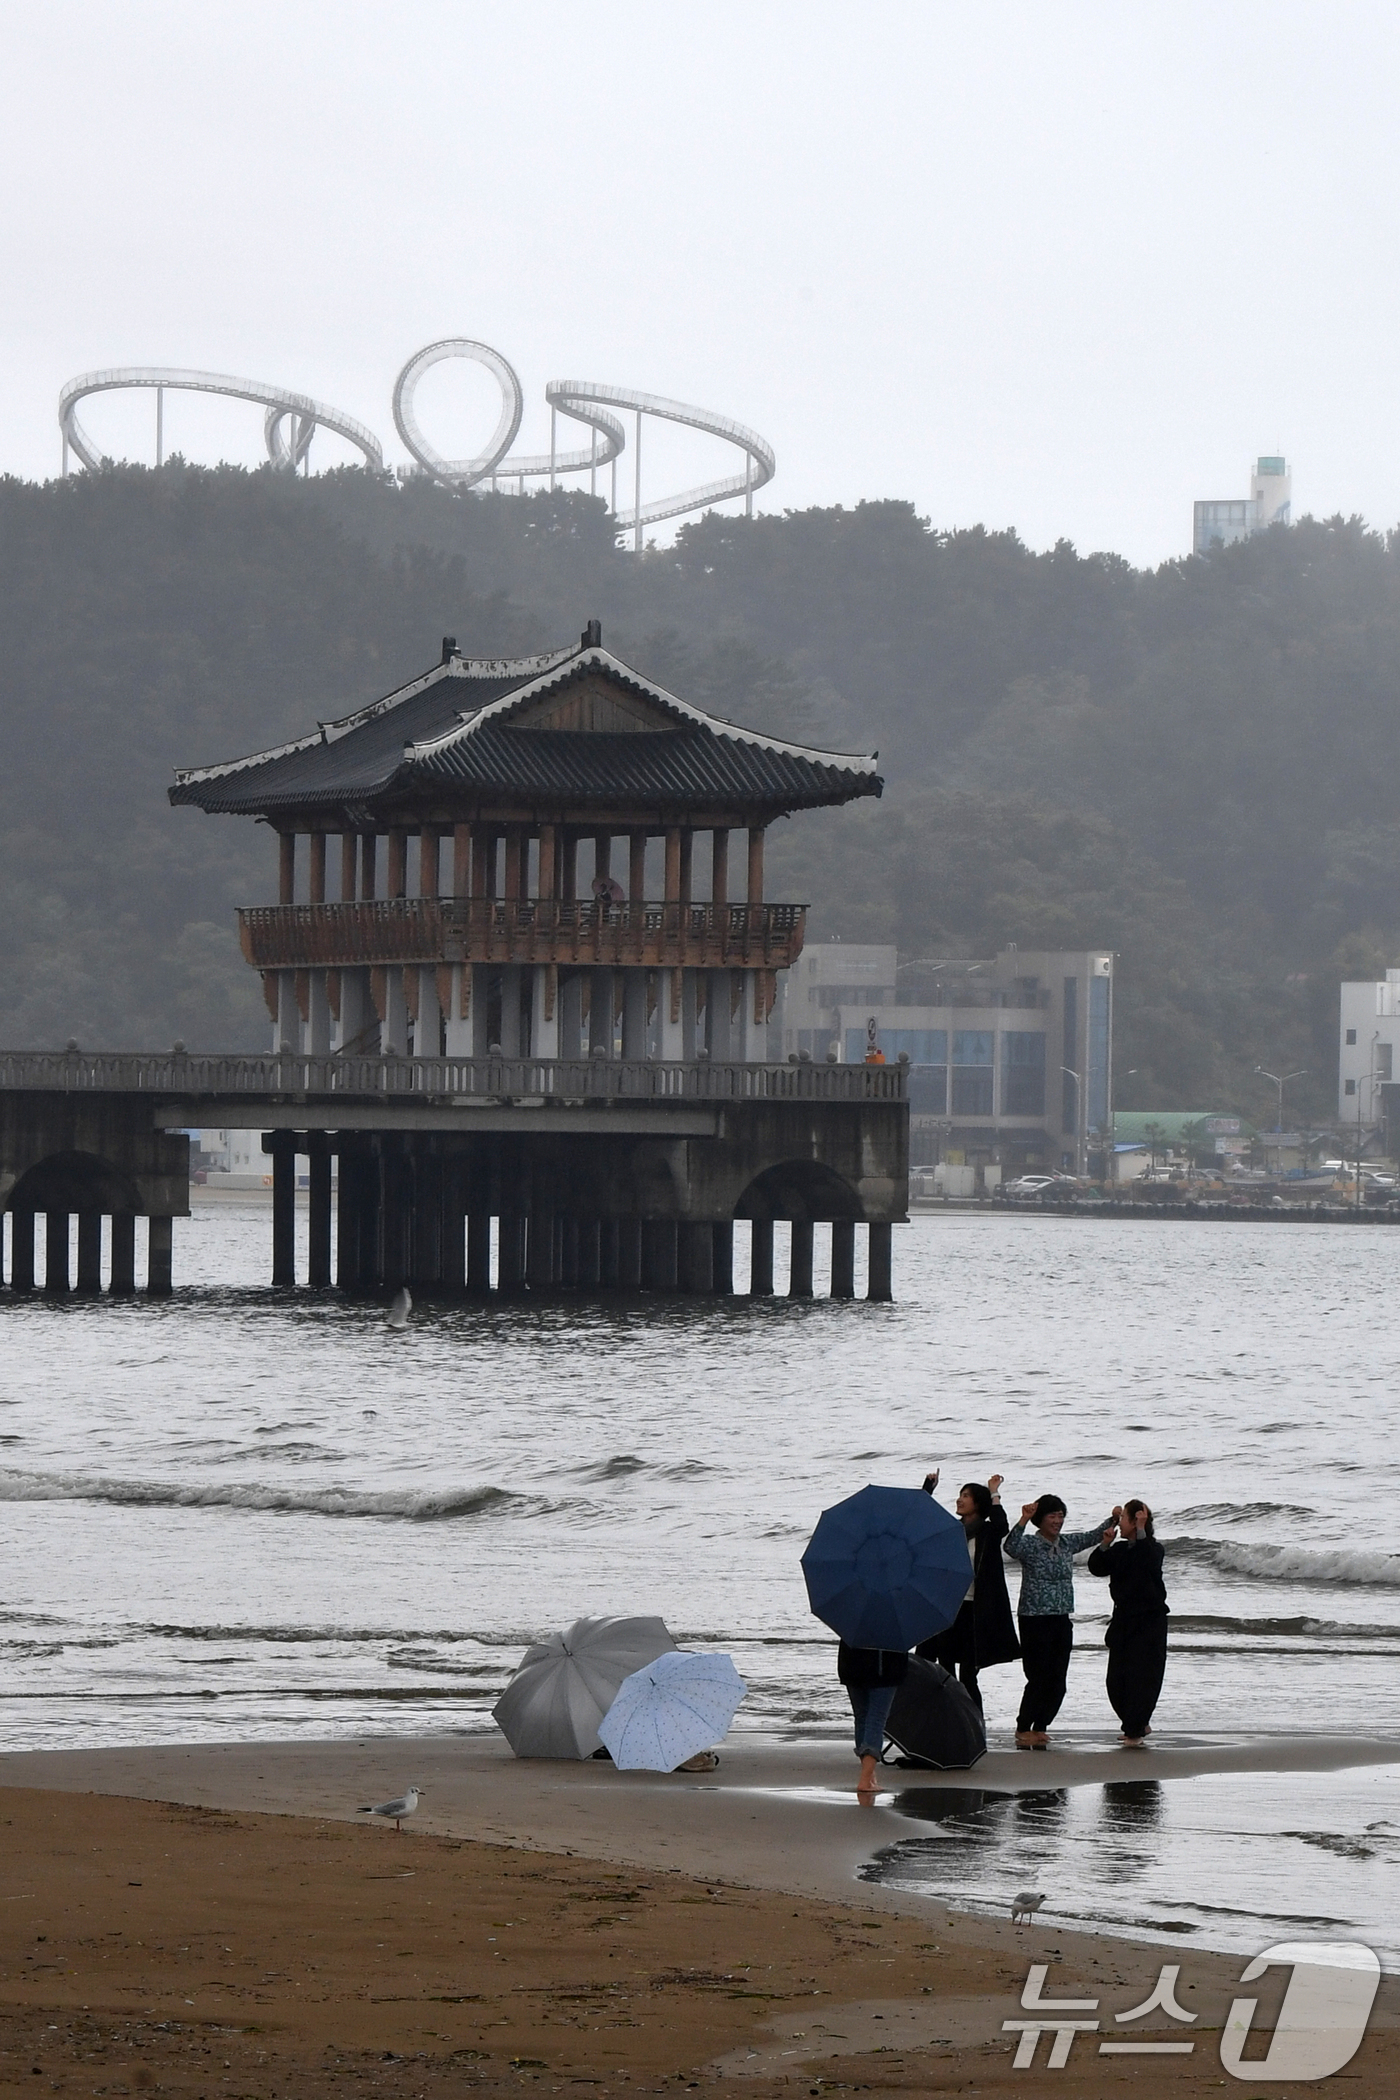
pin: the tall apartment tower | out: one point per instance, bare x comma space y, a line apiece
1270, 502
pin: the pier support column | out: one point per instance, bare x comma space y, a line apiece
629, 1254
56, 1252
722, 1260
800, 1266
843, 1258
880, 1286
22, 1250
282, 1145
454, 1228
695, 1248
478, 1251
397, 1228
318, 1273
607, 1254
123, 1253
160, 1258
89, 1252
510, 1253
589, 1253
761, 1259
426, 1169
659, 1241
539, 1251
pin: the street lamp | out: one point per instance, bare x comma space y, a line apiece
1078, 1120
1369, 1097
1280, 1083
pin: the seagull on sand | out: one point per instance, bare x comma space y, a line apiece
397, 1315
404, 1806
1025, 1905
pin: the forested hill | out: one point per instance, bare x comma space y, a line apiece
1195, 766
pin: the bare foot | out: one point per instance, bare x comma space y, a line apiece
865, 1785
1024, 1739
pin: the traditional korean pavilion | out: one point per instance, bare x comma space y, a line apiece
521, 1008
433, 896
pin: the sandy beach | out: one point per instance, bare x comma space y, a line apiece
213, 1919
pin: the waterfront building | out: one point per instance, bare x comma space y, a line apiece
1270, 502
1368, 1025
1010, 1058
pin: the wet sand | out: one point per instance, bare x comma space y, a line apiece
213, 1920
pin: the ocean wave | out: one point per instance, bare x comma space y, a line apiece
414, 1505
1339, 1564
1243, 1512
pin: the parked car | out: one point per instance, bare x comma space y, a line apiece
1028, 1186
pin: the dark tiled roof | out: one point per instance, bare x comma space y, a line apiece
452, 730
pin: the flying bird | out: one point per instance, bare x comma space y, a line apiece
1025, 1905
404, 1806
399, 1311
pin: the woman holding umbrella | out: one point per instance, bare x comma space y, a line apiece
983, 1633
871, 1676
1137, 1632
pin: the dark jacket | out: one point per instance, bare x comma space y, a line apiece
1134, 1571
993, 1626
866, 1669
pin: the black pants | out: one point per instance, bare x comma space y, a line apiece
956, 1649
1137, 1662
1046, 1644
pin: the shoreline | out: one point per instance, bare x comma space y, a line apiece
544, 1924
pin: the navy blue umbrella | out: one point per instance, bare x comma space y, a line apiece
887, 1567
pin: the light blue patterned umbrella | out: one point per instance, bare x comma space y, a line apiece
670, 1709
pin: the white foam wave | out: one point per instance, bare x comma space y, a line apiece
419, 1506
1340, 1564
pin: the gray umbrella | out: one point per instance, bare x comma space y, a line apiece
565, 1685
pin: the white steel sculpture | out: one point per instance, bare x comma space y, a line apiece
284, 448
291, 421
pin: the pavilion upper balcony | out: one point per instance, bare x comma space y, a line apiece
565, 931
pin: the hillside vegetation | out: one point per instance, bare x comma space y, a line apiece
1193, 765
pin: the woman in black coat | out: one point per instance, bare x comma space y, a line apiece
984, 1632
1137, 1632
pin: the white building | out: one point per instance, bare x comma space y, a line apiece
1011, 1059
1369, 1025
1270, 502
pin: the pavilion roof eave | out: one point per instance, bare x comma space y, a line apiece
391, 811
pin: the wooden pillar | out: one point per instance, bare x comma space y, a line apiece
722, 1260
429, 861
719, 867
629, 1254
478, 1250
396, 874
123, 1253
461, 860
687, 864
568, 864
761, 1259
514, 857
368, 847
348, 843
316, 877
755, 890
602, 853
89, 1252
286, 867
843, 1258
160, 1258
56, 1252
880, 1282
318, 1273
637, 866
283, 1147
22, 1250
549, 861
672, 888
800, 1267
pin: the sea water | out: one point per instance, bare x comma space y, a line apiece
240, 1514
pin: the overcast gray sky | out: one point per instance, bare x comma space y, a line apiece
1062, 265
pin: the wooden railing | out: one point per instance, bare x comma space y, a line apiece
389, 930
183, 1075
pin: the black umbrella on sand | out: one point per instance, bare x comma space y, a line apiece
933, 1720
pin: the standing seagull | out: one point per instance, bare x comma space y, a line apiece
404, 1806
399, 1311
1025, 1905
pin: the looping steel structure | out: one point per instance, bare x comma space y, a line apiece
299, 411
292, 420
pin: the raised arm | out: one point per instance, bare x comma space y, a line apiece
1078, 1540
